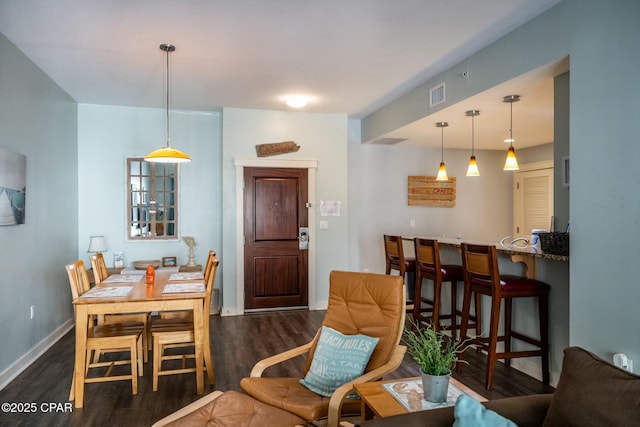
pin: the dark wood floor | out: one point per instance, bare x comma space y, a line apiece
238, 342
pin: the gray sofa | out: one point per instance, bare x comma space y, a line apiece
590, 392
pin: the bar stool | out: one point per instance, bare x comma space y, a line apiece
395, 260
482, 277
428, 266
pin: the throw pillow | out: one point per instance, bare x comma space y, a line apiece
593, 392
337, 360
468, 412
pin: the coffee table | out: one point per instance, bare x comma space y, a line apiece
378, 402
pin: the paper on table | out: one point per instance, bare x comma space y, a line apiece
107, 292
187, 276
182, 287
411, 395
120, 278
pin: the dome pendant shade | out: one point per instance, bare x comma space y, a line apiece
167, 154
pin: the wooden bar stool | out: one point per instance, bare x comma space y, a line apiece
395, 260
482, 277
428, 266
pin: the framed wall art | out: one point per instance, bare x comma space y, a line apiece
13, 187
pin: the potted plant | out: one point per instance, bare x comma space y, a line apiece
436, 354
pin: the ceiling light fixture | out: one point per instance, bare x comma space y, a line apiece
442, 171
297, 101
167, 154
472, 170
511, 163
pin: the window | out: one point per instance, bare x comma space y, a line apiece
152, 195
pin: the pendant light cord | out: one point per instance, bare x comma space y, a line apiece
442, 143
168, 101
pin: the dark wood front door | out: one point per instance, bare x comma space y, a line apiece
275, 268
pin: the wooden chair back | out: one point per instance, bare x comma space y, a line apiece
480, 266
99, 267
369, 304
428, 255
78, 279
394, 254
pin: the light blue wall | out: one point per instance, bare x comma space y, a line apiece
38, 120
106, 136
601, 39
321, 137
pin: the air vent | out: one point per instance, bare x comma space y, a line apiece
436, 95
388, 141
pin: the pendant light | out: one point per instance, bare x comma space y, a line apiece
167, 154
472, 170
442, 171
511, 163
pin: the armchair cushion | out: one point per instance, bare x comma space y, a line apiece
337, 360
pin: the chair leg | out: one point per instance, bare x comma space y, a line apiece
454, 308
493, 340
543, 313
437, 296
417, 304
507, 329
208, 363
157, 357
135, 360
466, 307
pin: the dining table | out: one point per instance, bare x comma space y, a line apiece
126, 294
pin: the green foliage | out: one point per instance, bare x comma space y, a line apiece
435, 352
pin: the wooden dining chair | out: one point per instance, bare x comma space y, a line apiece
188, 314
395, 260
113, 337
482, 277
174, 332
99, 267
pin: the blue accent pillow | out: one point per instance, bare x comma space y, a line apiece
337, 360
468, 412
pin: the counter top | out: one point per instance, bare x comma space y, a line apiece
504, 248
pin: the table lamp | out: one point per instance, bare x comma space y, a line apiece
97, 244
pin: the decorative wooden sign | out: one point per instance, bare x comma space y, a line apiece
426, 191
265, 150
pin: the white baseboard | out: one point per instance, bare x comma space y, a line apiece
32, 355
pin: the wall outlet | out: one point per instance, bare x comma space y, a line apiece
32, 312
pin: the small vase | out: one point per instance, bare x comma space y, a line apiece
435, 387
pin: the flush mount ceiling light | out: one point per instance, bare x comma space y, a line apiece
442, 171
472, 170
167, 154
297, 101
511, 163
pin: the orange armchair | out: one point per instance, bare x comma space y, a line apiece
359, 303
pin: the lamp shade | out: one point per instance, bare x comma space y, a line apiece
442, 173
472, 170
167, 155
511, 163
97, 244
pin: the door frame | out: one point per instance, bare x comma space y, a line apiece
311, 166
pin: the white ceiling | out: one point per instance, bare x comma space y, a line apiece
351, 57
